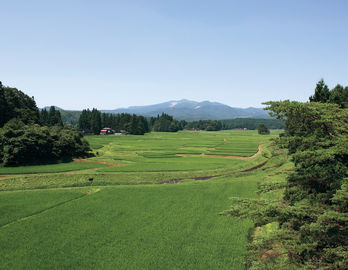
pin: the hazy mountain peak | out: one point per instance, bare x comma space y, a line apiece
192, 110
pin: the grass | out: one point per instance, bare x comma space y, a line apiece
134, 227
49, 168
21, 204
53, 217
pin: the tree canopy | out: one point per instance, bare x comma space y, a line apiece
165, 123
28, 136
93, 121
262, 129
51, 118
15, 104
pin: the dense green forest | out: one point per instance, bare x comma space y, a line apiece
50, 118
71, 118
28, 136
248, 123
92, 121
166, 123
311, 218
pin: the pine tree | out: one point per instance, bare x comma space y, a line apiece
321, 94
3, 106
54, 117
95, 121
44, 118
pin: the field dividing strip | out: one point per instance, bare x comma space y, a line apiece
42, 211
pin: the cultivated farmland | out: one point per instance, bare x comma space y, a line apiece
143, 202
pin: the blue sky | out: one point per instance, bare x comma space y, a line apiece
111, 54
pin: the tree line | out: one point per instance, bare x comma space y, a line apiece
50, 118
312, 216
248, 123
92, 121
31, 136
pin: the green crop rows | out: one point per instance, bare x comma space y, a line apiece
56, 217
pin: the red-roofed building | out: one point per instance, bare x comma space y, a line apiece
106, 131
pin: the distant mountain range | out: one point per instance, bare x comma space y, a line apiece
192, 110
180, 109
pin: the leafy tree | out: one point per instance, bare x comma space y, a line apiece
16, 104
32, 144
23, 140
262, 129
165, 123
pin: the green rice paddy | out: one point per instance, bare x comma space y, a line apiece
55, 217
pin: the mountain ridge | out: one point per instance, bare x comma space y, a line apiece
189, 110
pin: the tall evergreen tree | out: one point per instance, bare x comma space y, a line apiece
96, 124
44, 119
54, 117
321, 94
339, 95
3, 106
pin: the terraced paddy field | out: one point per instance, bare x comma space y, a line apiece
143, 202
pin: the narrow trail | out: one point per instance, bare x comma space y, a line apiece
174, 181
228, 156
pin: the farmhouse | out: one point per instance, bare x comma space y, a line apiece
106, 131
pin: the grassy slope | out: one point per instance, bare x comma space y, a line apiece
130, 227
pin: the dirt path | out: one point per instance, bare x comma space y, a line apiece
174, 181
228, 156
96, 162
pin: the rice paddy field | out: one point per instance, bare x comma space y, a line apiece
143, 202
